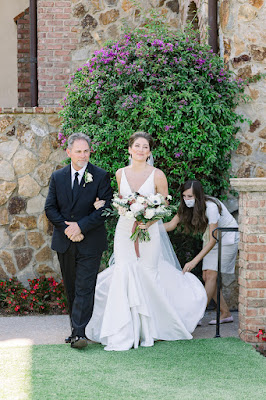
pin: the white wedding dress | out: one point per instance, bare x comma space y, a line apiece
141, 300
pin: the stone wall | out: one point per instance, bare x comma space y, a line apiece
29, 153
252, 257
242, 41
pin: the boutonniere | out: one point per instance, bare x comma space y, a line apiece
87, 178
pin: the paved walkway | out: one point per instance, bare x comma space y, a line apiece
52, 329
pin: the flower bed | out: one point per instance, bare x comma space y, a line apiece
43, 296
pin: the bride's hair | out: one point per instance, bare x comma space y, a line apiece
140, 134
194, 219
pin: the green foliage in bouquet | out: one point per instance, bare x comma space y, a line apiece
165, 83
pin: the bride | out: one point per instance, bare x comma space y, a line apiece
139, 300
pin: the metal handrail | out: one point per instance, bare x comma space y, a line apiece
219, 241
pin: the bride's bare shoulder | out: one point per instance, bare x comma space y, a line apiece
118, 174
159, 174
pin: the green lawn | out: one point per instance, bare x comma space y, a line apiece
204, 369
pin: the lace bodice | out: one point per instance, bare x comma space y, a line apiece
148, 187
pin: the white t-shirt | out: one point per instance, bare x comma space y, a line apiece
224, 220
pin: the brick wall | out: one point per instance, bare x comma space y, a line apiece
56, 41
23, 58
252, 257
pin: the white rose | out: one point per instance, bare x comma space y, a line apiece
140, 200
149, 213
136, 207
123, 200
121, 210
160, 210
129, 215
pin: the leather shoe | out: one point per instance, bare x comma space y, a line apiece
79, 342
69, 338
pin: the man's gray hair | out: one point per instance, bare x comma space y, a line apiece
77, 136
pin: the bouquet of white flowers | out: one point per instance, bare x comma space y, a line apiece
142, 209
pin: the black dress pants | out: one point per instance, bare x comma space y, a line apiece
79, 273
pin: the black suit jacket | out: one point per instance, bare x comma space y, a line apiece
59, 208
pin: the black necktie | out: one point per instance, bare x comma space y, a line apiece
75, 187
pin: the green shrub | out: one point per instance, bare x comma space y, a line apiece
165, 83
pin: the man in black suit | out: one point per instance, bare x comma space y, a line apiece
79, 235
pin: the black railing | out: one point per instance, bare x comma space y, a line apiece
219, 240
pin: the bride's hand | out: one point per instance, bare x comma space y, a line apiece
98, 203
144, 226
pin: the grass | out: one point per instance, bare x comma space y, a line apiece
216, 369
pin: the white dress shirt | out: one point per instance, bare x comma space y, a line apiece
81, 173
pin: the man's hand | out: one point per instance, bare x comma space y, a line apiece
72, 230
78, 238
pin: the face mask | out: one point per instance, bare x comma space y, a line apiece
190, 203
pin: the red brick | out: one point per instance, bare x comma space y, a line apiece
54, 23
63, 3
46, 3
71, 23
47, 17
255, 266
262, 294
259, 302
252, 293
62, 52
253, 312
70, 46
262, 239
252, 203
252, 220
251, 257
257, 248
256, 284
54, 46
62, 16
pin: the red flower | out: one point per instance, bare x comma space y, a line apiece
259, 333
17, 308
262, 334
